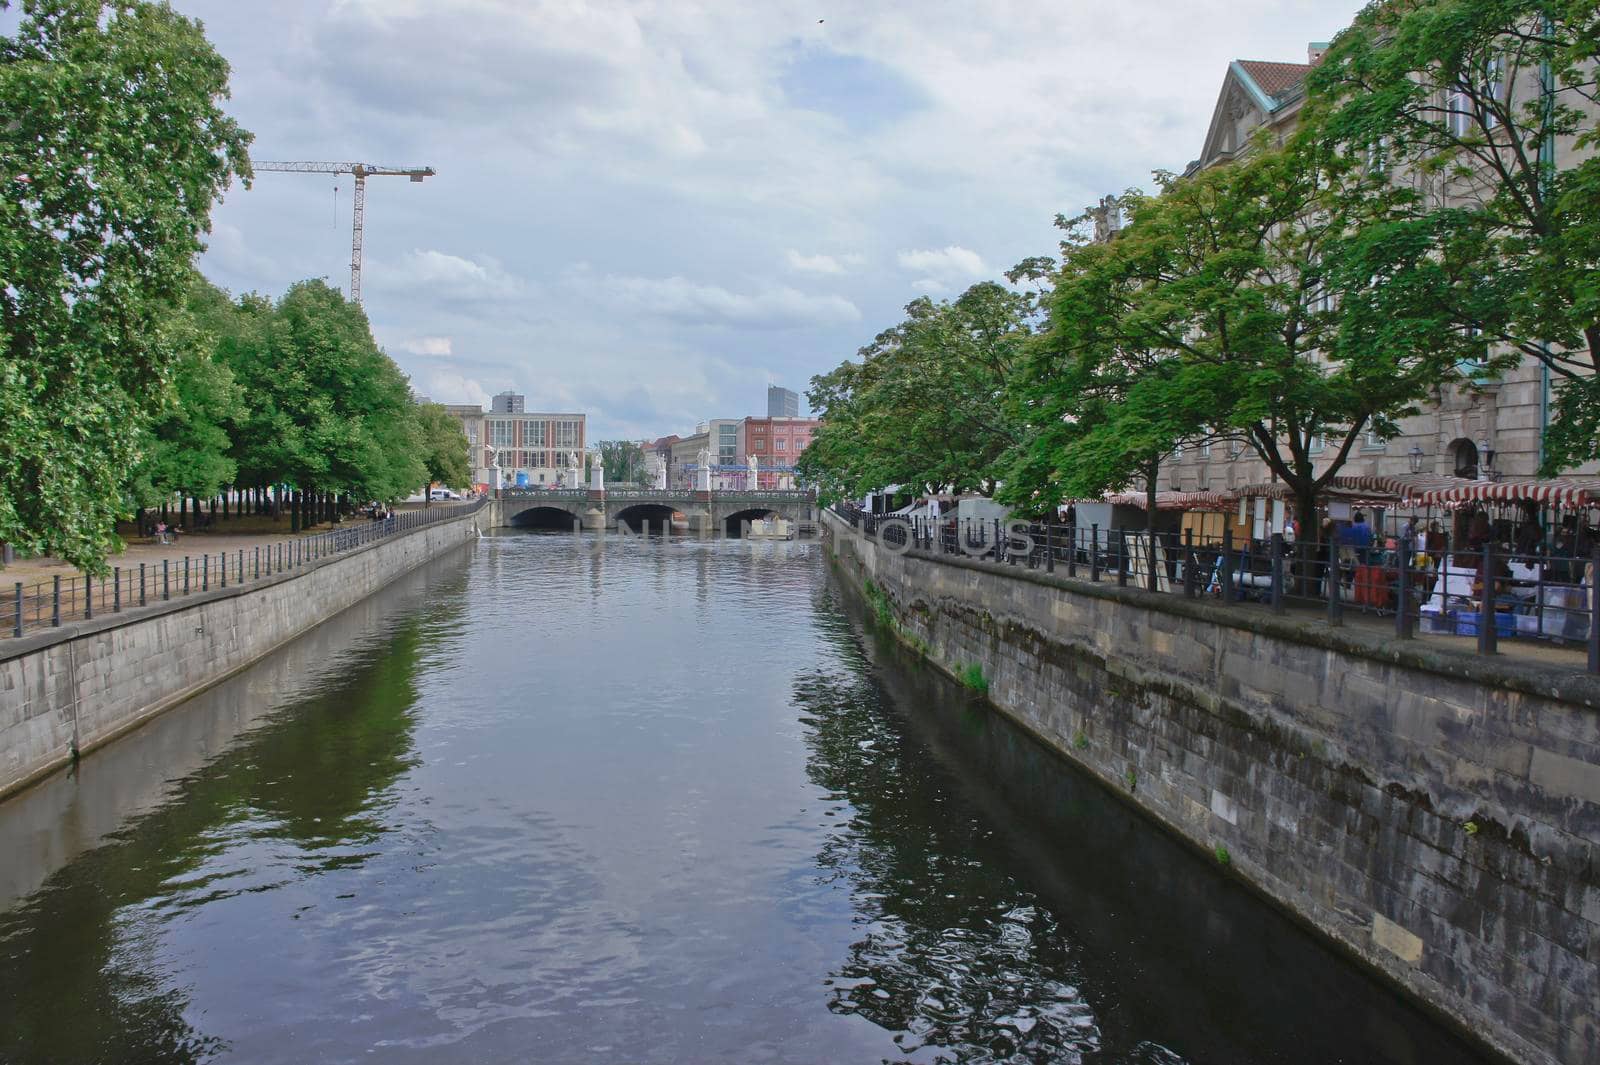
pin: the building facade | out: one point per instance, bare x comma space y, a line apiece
1482, 428
532, 448
782, 402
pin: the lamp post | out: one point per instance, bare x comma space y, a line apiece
1415, 455
1486, 453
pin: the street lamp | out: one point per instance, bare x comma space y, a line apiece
1486, 450
1415, 455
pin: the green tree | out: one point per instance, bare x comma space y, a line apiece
1293, 302
112, 149
1473, 99
444, 446
624, 460
186, 448
326, 410
925, 405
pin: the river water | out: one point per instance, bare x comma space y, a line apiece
557, 800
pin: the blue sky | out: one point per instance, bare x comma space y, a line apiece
648, 210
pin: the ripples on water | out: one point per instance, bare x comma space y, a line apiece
655, 802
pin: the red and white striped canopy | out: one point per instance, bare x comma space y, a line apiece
1220, 502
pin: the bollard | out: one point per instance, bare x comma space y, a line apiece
1191, 581
16, 629
55, 610
258, 562
1402, 610
1277, 573
166, 579
88, 597
185, 574
1334, 578
1072, 549
241, 565
999, 547
1094, 552
1486, 633
205, 572
1594, 612
1227, 564
1122, 558
222, 566
1049, 550
116, 589
141, 584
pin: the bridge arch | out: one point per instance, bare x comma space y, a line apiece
542, 516
733, 523
636, 516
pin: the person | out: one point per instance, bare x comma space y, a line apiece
1289, 531
1325, 549
1479, 533
161, 533
1360, 534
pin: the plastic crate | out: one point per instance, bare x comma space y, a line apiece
1505, 624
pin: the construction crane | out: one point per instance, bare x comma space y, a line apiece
362, 171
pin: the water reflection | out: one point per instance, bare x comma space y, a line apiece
1011, 910
87, 969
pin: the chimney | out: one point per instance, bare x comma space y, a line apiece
1315, 51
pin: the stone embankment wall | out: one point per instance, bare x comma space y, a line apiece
1435, 814
74, 688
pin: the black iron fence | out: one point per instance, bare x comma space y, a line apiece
1477, 590
48, 604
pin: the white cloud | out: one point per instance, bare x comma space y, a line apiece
447, 386
428, 347
682, 300
943, 269
444, 275
832, 265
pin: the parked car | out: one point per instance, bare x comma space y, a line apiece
445, 493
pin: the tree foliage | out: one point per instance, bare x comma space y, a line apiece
624, 461
186, 449
1491, 105
327, 411
443, 446
1292, 302
925, 405
113, 146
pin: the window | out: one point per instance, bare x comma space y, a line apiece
1478, 360
1205, 450
758, 445
1494, 87
1373, 441
1317, 444
500, 433
1458, 112
780, 444
567, 435
536, 434
1378, 156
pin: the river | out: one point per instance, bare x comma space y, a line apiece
563, 800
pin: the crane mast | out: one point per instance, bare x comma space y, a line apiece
361, 172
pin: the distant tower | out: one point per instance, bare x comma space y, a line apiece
782, 402
508, 402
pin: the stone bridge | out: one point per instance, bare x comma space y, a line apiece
714, 513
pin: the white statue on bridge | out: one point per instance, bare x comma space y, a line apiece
658, 471
704, 480
597, 473
755, 473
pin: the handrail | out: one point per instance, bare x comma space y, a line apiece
49, 604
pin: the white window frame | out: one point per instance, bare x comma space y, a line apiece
1457, 111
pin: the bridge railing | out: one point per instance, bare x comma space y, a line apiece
626, 494
557, 494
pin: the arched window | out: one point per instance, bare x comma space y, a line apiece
1466, 459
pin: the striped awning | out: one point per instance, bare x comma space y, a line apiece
1551, 491
1432, 490
1220, 502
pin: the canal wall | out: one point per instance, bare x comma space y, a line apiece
1435, 815
66, 691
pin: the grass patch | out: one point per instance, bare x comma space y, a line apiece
972, 676
1080, 741
1224, 859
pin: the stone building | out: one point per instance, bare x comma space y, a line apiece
532, 447
1490, 428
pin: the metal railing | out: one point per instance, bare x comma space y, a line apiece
544, 493
49, 604
1543, 595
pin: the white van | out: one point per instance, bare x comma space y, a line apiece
444, 493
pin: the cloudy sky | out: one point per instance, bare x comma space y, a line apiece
649, 210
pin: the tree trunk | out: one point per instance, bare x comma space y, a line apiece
294, 511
